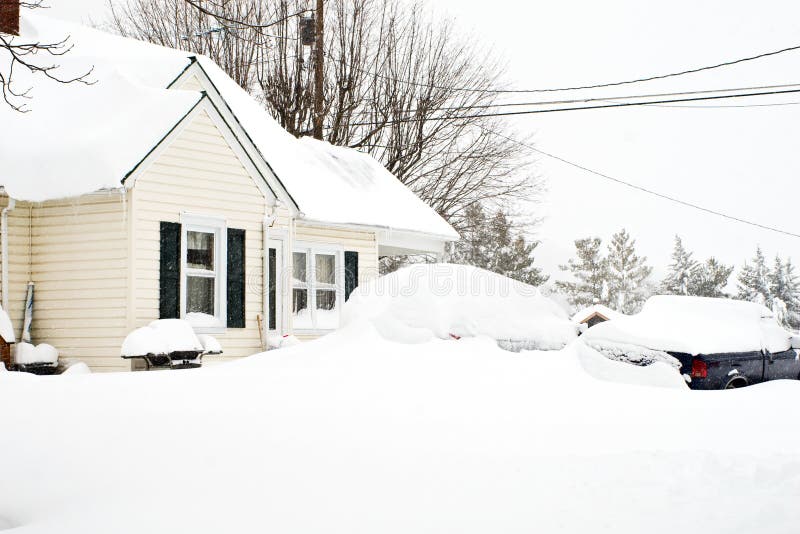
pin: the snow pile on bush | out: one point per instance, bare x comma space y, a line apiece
424, 302
27, 354
6, 328
695, 325
165, 336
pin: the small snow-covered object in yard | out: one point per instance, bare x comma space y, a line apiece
281, 342
28, 354
169, 341
210, 344
422, 302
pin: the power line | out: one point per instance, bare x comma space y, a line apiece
241, 22
577, 108
582, 87
612, 98
643, 189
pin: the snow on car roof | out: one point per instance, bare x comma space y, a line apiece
94, 135
695, 325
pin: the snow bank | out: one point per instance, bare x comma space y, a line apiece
77, 368
444, 301
615, 366
27, 354
162, 337
695, 325
380, 437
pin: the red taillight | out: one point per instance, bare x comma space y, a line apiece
699, 369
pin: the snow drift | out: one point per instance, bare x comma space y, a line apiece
423, 302
694, 325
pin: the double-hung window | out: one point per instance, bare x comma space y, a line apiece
203, 288
316, 288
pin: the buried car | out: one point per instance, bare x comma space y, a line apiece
714, 343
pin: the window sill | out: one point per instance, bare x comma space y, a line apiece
209, 329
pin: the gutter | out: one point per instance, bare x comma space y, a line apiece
4, 249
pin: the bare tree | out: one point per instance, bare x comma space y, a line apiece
398, 84
18, 53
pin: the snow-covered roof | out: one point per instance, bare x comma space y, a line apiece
695, 325
78, 139
584, 314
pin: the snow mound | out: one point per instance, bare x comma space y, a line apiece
423, 302
606, 366
210, 344
695, 325
27, 354
77, 368
161, 337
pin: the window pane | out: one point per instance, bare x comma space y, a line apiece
200, 250
273, 300
199, 295
299, 274
326, 315
326, 300
302, 315
326, 268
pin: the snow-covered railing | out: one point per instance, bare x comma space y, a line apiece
169, 343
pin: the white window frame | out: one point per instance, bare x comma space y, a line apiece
212, 225
311, 250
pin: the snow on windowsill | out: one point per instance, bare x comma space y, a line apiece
203, 323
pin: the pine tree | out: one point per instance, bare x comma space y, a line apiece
627, 273
589, 271
684, 272
753, 281
493, 245
713, 279
783, 287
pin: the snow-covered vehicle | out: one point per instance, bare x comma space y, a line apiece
714, 343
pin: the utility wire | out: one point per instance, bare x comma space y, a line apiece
576, 108
591, 86
242, 22
642, 189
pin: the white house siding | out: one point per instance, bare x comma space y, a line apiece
363, 242
200, 174
75, 251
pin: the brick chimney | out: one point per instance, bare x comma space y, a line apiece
9, 16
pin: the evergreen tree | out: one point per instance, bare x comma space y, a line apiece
753, 281
492, 244
712, 280
627, 273
683, 277
783, 285
589, 271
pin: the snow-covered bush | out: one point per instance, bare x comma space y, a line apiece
423, 302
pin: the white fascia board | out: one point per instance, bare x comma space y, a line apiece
268, 175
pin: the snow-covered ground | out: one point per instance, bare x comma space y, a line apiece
355, 433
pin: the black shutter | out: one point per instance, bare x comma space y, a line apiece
236, 281
169, 286
350, 272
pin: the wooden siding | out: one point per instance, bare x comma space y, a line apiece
200, 174
75, 252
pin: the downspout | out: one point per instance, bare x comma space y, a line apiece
4, 249
269, 221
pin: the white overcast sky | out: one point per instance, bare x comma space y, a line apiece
742, 160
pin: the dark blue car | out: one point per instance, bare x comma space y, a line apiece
738, 369
715, 343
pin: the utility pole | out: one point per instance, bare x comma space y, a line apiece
319, 62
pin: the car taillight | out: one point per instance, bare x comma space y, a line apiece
699, 369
